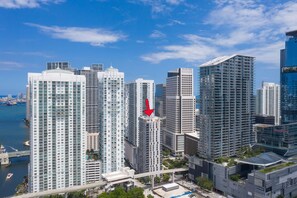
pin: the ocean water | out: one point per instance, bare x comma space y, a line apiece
13, 132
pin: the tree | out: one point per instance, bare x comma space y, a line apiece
103, 195
135, 192
78, 194
157, 179
165, 177
150, 196
204, 183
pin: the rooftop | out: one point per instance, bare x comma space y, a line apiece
217, 60
292, 33
276, 167
264, 159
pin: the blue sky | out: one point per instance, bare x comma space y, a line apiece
143, 38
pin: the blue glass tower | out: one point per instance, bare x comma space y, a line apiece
289, 79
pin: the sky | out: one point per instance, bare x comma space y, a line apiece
142, 38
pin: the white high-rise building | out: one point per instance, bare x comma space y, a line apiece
180, 109
149, 150
111, 119
268, 101
58, 130
138, 92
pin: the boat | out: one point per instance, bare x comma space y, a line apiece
2, 149
27, 143
9, 175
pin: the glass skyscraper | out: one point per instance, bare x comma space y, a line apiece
289, 79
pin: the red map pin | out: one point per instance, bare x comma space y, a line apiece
148, 111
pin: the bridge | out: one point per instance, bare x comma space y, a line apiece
4, 157
63, 190
107, 182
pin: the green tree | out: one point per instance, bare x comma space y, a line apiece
165, 177
135, 192
78, 194
204, 183
103, 195
150, 196
157, 179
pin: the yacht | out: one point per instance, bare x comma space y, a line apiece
9, 175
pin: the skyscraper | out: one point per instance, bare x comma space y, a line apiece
149, 150
92, 121
60, 65
180, 109
289, 79
57, 131
160, 101
138, 92
268, 101
111, 119
227, 106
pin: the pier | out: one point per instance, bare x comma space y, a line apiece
4, 157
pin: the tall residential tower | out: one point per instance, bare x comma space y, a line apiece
268, 101
57, 130
111, 119
138, 92
227, 106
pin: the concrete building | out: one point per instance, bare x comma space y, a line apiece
28, 102
58, 65
149, 150
138, 92
227, 105
92, 111
57, 130
111, 119
180, 109
264, 176
191, 144
264, 119
91, 96
268, 101
93, 141
160, 102
93, 170
288, 79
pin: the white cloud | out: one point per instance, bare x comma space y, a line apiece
15, 4
160, 6
9, 65
174, 2
246, 27
157, 34
93, 36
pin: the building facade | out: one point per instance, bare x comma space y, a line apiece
57, 130
111, 119
227, 105
268, 101
138, 92
58, 65
149, 150
280, 139
289, 79
250, 180
180, 109
93, 170
91, 96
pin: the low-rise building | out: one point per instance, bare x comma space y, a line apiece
93, 170
265, 175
